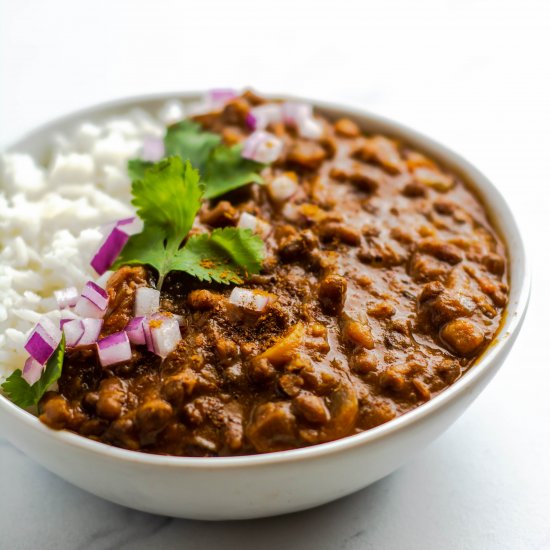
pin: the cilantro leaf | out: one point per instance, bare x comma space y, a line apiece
169, 196
189, 141
137, 167
25, 395
167, 199
226, 170
18, 390
147, 247
221, 168
226, 255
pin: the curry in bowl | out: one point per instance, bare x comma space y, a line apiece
288, 280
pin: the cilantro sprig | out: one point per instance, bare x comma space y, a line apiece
22, 393
221, 168
167, 199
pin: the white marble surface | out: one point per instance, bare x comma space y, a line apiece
473, 74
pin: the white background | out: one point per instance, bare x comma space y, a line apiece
472, 74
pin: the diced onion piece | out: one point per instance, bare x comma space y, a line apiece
135, 331
147, 301
32, 371
95, 294
248, 221
282, 188
74, 330
114, 348
66, 316
213, 100
310, 129
43, 340
153, 149
92, 328
109, 250
251, 300
104, 279
131, 226
162, 334
290, 212
262, 146
294, 112
66, 297
300, 115
218, 97
93, 301
114, 242
259, 118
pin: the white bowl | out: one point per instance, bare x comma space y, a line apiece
281, 482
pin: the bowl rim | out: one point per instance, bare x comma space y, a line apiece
513, 315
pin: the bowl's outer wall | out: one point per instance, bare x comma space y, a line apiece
259, 487
241, 493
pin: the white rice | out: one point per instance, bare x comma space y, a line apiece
50, 217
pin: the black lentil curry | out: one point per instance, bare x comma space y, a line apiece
385, 282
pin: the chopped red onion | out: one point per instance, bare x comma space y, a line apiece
290, 212
110, 249
259, 118
92, 329
248, 221
251, 120
93, 301
43, 340
214, 100
66, 297
147, 301
166, 337
32, 371
66, 316
136, 331
218, 97
245, 298
63, 322
131, 226
282, 188
262, 147
293, 112
162, 334
153, 149
104, 279
310, 129
74, 330
300, 115
96, 295
114, 242
114, 348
